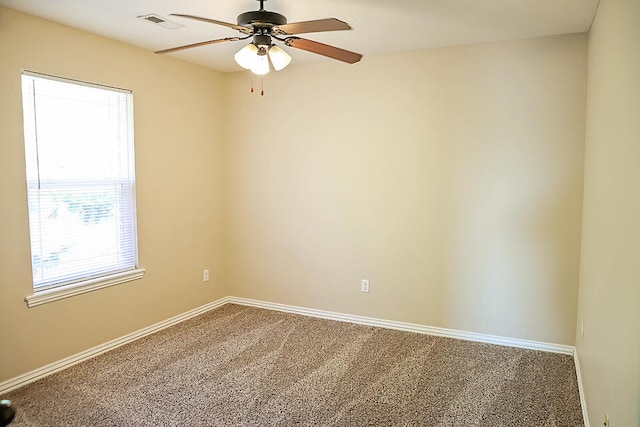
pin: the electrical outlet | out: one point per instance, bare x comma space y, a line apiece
364, 286
205, 275
606, 420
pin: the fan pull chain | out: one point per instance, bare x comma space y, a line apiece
261, 85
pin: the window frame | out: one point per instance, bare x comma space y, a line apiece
67, 288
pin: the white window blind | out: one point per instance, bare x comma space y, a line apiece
80, 180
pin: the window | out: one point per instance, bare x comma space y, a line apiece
81, 186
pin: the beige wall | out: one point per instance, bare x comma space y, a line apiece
609, 298
179, 194
451, 178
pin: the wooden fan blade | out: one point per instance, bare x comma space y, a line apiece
188, 46
213, 21
323, 49
319, 25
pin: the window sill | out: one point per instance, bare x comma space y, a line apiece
62, 292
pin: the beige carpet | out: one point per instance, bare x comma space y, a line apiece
251, 367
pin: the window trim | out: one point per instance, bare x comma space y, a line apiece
60, 292
74, 81
48, 294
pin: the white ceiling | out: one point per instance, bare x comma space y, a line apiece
379, 26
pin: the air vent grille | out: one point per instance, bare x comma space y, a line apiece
158, 20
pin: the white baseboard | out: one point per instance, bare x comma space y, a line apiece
409, 327
51, 368
583, 401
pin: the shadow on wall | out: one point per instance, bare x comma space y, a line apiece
513, 248
516, 199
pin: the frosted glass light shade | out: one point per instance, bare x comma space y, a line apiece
246, 56
260, 65
279, 58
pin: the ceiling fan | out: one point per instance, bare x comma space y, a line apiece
263, 27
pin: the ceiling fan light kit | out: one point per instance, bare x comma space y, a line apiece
254, 55
279, 58
260, 65
264, 26
245, 56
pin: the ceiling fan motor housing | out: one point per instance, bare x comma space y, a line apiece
261, 19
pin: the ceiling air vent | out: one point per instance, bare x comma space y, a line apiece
157, 19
